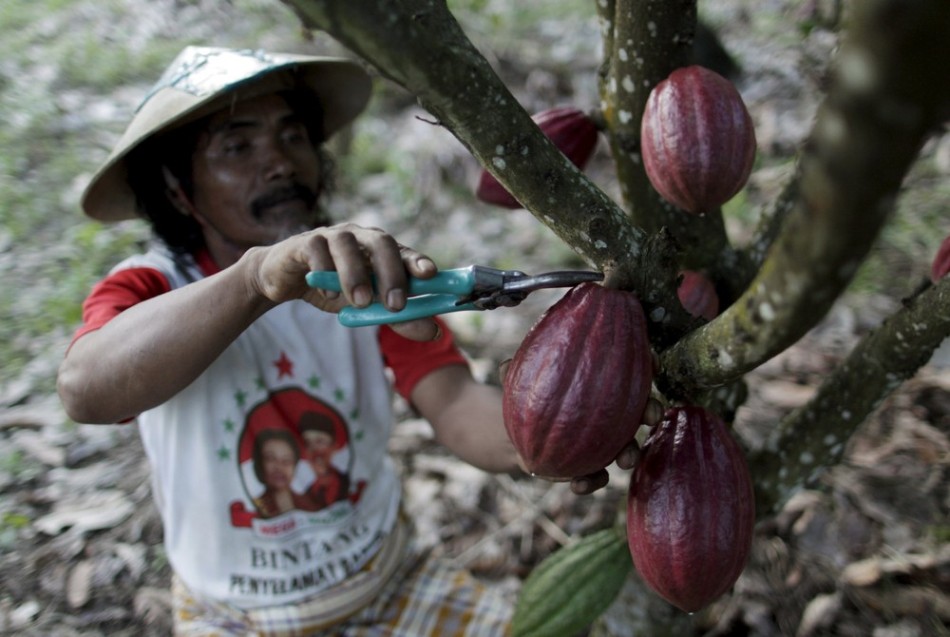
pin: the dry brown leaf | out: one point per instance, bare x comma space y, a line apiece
151, 603
15, 619
29, 417
785, 394
863, 573
38, 446
133, 557
79, 584
820, 613
98, 510
907, 600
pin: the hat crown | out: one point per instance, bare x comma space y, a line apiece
203, 71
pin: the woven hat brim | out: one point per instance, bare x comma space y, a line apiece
342, 87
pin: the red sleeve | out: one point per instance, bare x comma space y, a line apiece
411, 360
118, 292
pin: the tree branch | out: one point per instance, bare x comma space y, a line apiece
643, 43
813, 437
887, 93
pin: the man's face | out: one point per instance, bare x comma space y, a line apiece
279, 461
319, 448
257, 176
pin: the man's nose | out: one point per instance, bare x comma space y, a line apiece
277, 162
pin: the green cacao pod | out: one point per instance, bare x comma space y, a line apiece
570, 129
697, 139
576, 389
572, 587
690, 509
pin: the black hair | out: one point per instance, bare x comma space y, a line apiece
312, 421
174, 149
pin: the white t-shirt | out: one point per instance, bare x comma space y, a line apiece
243, 425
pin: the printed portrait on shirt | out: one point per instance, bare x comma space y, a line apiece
295, 455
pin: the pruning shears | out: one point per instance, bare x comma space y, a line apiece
475, 287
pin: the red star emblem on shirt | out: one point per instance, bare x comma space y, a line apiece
284, 366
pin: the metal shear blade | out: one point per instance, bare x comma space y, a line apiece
516, 286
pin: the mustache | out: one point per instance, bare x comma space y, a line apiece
280, 195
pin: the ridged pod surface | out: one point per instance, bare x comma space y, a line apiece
690, 509
570, 129
572, 587
575, 390
697, 139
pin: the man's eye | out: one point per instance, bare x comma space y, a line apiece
236, 146
296, 134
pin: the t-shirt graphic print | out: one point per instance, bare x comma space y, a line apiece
295, 457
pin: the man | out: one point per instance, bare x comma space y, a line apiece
320, 440
212, 337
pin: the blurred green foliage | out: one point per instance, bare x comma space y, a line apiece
62, 61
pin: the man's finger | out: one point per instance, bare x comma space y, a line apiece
425, 329
585, 485
628, 456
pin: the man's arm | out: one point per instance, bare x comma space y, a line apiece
467, 418
153, 350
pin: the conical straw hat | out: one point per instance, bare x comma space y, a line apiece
202, 80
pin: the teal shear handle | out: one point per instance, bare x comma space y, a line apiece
440, 294
473, 288
460, 281
416, 307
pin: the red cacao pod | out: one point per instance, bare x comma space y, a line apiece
690, 509
698, 295
697, 139
941, 262
570, 129
575, 390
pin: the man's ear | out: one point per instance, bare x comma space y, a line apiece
176, 194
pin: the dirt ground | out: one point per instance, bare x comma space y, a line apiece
864, 553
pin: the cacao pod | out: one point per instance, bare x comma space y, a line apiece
697, 139
690, 509
698, 295
577, 386
572, 587
941, 262
570, 129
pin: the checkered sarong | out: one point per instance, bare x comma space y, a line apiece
423, 596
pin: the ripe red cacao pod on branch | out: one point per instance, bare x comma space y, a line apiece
697, 139
697, 294
570, 129
941, 262
690, 509
576, 389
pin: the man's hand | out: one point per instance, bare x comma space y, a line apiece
357, 255
626, 460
